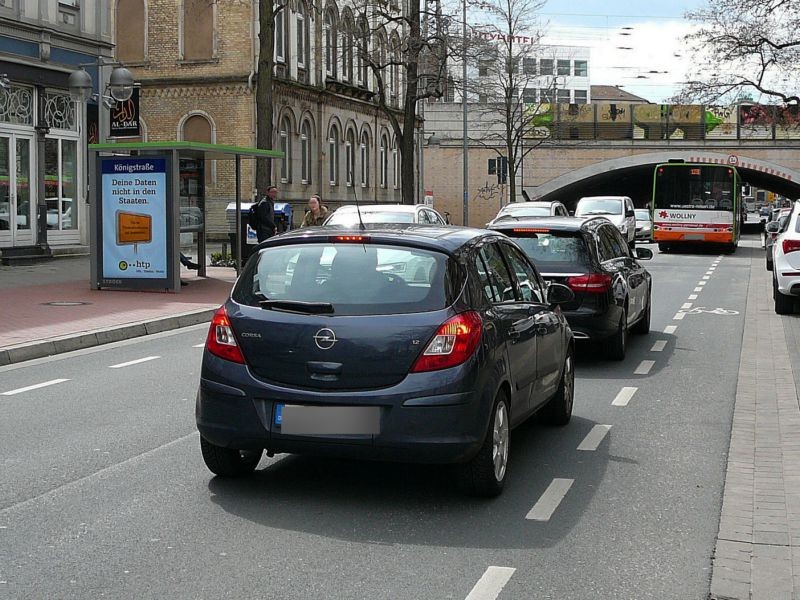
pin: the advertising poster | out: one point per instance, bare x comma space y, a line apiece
125, 117
134, 218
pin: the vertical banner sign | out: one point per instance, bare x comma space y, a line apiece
125, 117
134, 230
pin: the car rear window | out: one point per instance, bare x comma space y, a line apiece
527, 211
553, 251
349, 218
642, 215
357, 279
598, 206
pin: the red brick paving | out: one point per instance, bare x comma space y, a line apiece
26, 318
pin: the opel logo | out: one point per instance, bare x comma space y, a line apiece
325, 339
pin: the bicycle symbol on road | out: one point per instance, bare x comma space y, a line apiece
713, 311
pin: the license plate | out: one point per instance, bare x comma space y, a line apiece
694, 236
295, 419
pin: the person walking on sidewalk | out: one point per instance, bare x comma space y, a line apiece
316, 214
262, 215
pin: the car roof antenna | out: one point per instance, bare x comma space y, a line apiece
358, 208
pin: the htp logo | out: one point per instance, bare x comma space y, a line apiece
139, 264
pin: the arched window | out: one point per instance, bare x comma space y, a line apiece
280, 34
395, 165
131, 31
333, 155
198, 29
197, 129
384, 161
362, 52
364, 159
305, 152
331, 41
350, 156
285, 134
347, 46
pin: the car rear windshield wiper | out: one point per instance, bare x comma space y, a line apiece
598, 212
296, 306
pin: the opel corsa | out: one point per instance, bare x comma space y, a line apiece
419, 344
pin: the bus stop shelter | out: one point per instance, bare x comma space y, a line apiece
142, 196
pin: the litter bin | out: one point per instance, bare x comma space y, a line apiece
248, 236
283, 217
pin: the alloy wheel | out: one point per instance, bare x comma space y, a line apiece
500, 441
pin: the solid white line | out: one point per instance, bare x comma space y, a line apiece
686, 306
109, 469
491, 583
594, 437
549, 501
692, 297
670, 329
33, 387
134, 362
644, 367
679, 316
203, 345
659, 346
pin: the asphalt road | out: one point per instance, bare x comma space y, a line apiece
104, 494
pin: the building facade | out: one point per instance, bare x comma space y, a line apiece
42, 137
197, 64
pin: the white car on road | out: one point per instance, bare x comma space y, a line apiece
617, 209
786, 265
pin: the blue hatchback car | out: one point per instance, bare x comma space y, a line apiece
418, 344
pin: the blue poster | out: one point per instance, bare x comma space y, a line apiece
134, 210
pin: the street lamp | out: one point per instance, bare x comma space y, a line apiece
80, 85
120, 84
119, 88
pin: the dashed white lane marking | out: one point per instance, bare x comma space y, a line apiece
34, 387
701, 282
706, 278
594, 438
679, 316
203, 345
692, 297
698, 289
659, 346
491, 583
549, 501
624, 396
670, 329
134, 362
644, 367
686, 306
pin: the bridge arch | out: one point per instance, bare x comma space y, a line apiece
633, 175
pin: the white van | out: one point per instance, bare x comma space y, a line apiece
617, 209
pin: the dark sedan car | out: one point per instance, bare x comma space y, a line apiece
612, 290
421, 344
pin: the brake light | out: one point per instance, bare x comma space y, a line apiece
791, 246
356, 239
530, 230
221, 341
595, 283
454, 342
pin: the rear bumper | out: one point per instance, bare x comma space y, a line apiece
788, 279
593, 324
644, 235
414, 427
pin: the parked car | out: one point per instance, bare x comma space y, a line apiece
773, 229
353, 357
521, 210
617, 209
786, 265
348, 215
644, 225
613, 292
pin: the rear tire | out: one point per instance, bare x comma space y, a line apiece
485, 474
228, 462
784, 305
642, 326
616, 345
559, 409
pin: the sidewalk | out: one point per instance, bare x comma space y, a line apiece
758, 546
36, 325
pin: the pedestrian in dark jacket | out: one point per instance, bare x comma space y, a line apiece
264, 215
317, 213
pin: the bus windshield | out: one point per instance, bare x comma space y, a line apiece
694, 187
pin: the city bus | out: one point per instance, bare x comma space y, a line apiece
696, 204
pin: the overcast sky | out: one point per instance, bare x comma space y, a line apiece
652, 30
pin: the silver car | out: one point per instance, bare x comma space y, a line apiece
617, 209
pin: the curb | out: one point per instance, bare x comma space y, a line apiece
43, 348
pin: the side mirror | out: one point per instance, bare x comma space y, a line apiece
558, 293
773, 227
644, 253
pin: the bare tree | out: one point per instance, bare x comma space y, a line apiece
745, 46
411, 69
504, 49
